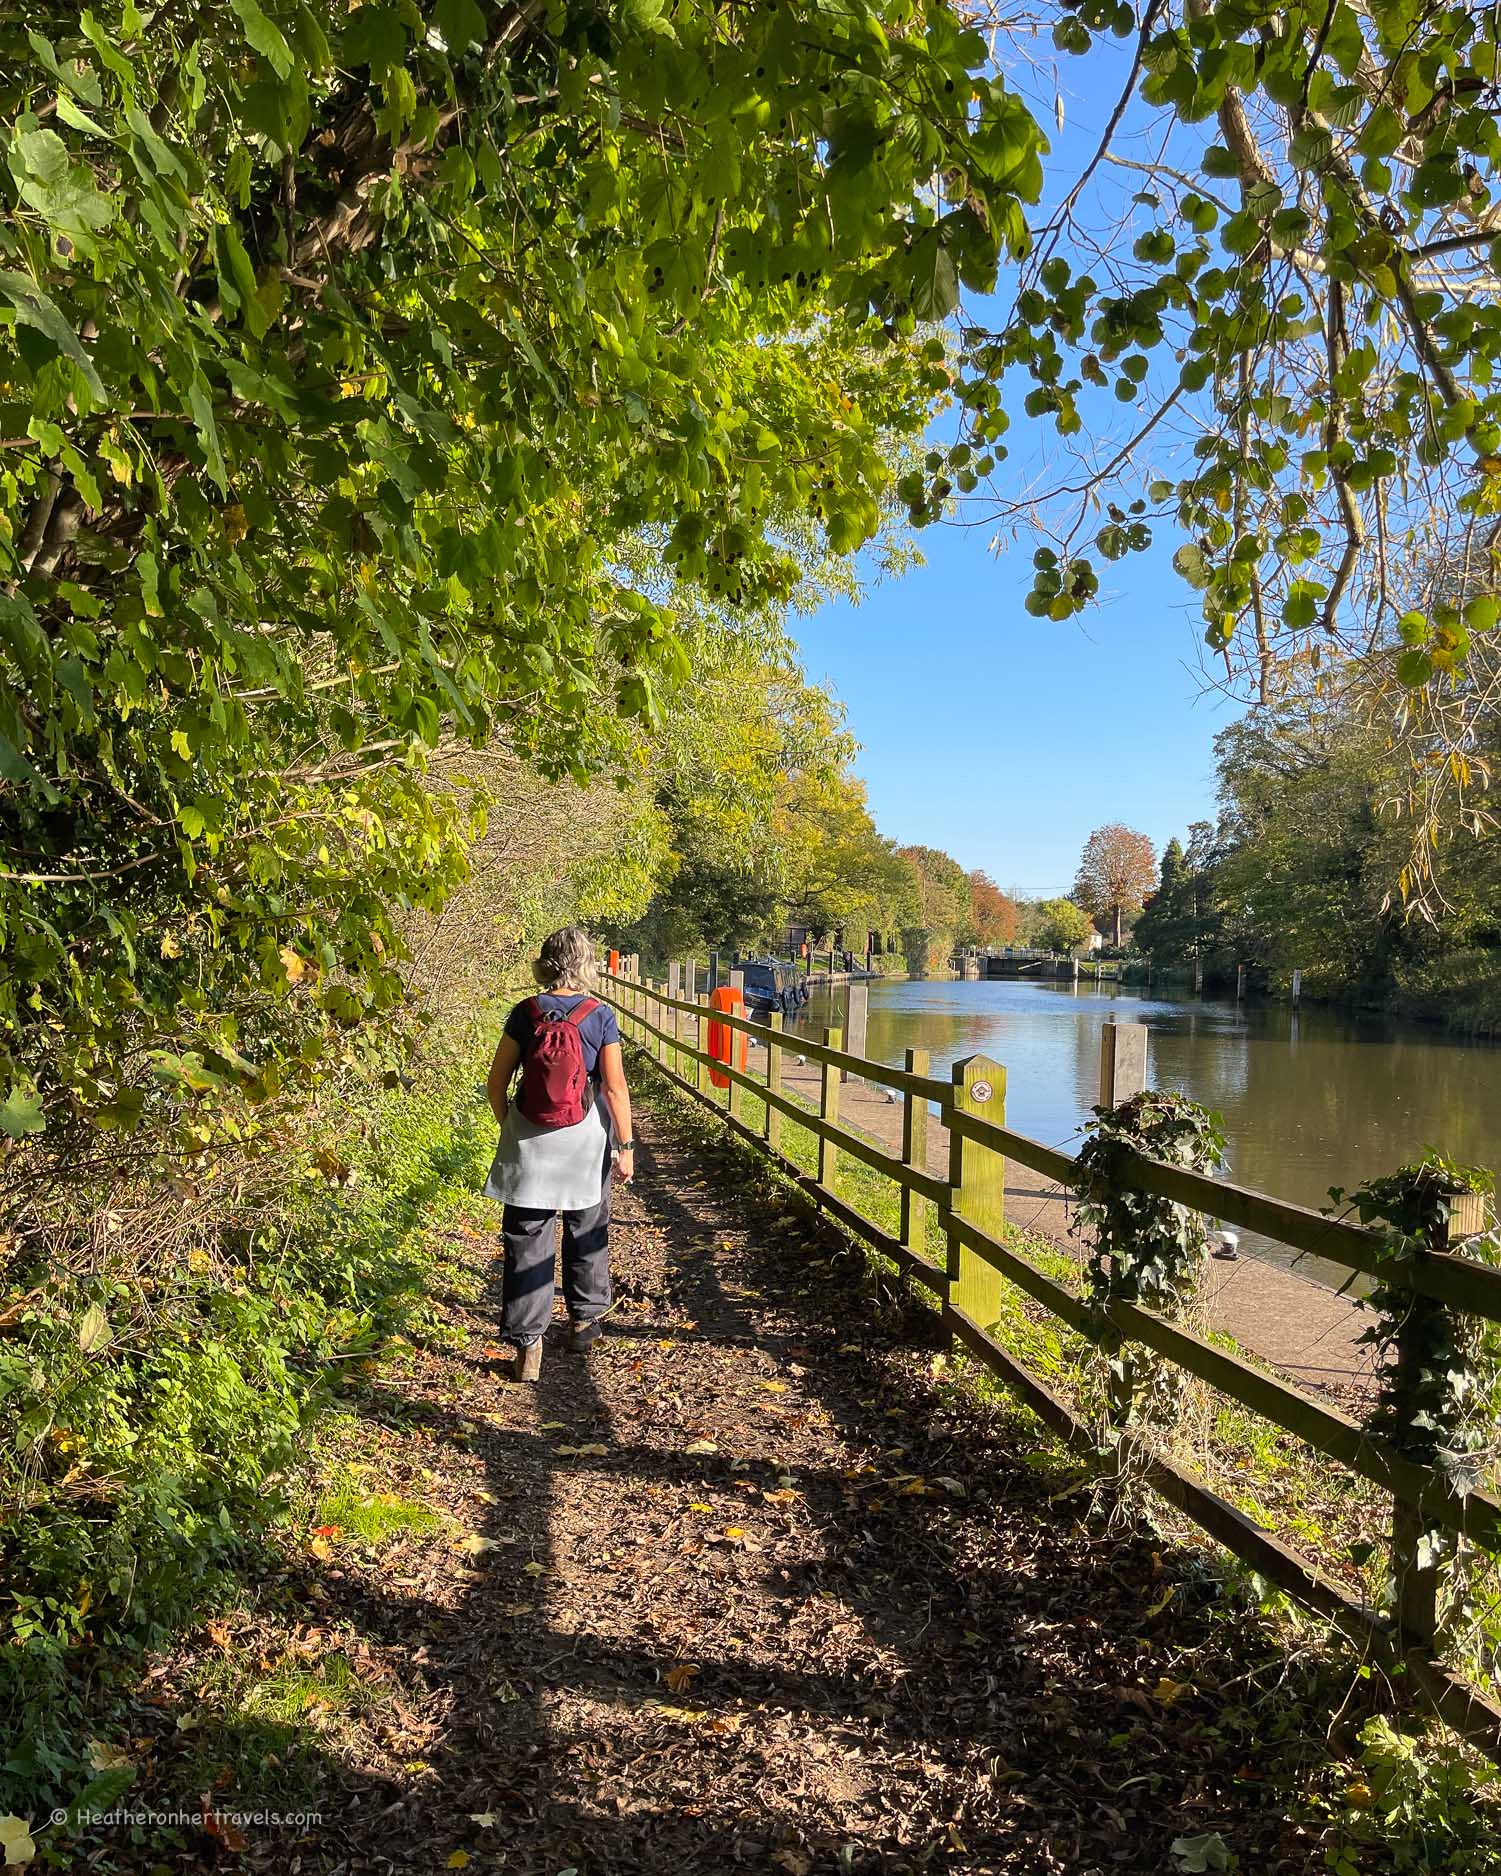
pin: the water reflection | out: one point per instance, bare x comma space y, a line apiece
1310, 1098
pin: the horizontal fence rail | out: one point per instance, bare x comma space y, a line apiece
968, 1204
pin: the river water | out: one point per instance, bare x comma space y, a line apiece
1309, 1099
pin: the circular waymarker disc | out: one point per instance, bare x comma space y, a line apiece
982, 1091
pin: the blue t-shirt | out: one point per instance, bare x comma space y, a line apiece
598, 1027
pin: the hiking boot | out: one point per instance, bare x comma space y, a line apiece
529, 1362
584, 1335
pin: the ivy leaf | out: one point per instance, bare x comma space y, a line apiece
22, 1113
16, 1845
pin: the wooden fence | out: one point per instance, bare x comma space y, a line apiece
970, 1203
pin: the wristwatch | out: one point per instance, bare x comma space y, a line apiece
626, 1146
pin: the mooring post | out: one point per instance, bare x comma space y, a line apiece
914, 1151
1240, 983
856, 1017
1123, 1062
1297, 988
977, 1182
1198, 976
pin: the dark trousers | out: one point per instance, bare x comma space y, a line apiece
527, 1235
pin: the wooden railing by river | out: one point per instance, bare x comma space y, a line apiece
970, 1205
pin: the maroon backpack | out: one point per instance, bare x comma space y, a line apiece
554, 1082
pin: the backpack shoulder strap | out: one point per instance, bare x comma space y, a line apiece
582, 1010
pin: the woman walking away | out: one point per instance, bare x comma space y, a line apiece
569, 1125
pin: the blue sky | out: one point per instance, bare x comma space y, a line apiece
1002, 738
1005, 739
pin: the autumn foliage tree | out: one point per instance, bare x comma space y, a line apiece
1117, 870
992, 913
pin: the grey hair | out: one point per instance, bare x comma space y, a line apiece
567, 957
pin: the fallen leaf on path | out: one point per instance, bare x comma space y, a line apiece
224, 1828
458, 1860
535, 1569
553, 1426
104, 1757
1169, 1691
476, 1545
321, 1548
1162, 1601
786, 1496
681, 1677
701, 1446
794, 1862
700, 1507
485, 1820
773, 1387
594, 1451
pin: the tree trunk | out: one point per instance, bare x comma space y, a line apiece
1117, 928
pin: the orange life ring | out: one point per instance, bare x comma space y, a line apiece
722, 1039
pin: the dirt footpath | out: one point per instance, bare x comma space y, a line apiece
752, 1587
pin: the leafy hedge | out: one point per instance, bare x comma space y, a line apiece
150, 1425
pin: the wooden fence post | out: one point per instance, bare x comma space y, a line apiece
701, 1080
914, 1151
856, 1019
774, 1080
977, 1188
828, 1109
735, 1096
673, 1018
1417, 1544
1123, 1062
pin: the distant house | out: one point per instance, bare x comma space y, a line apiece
1095, 941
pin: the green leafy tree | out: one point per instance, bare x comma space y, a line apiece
942, 898
347, 354
1061, 926
1263, 319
